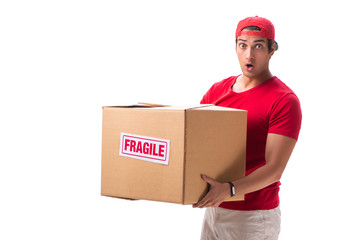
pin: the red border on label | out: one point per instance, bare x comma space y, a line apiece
147, 139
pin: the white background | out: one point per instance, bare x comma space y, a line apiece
61, 61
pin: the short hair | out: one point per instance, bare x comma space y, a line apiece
256, 28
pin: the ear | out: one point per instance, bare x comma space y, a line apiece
272, 49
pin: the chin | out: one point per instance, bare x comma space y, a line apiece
250, 74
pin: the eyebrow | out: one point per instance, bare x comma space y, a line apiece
259, 40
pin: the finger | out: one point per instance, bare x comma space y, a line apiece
202, 202
208, 203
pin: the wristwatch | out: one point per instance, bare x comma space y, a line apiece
232, 189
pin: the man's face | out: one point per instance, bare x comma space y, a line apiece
253, 55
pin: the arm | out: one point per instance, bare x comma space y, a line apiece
277, 153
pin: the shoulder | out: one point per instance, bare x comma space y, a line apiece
225, 83
285, 114
285, 94
218, 89
276, 91
281, 88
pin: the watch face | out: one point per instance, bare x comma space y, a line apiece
232, 189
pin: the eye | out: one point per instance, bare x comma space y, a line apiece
242, 45
258, 46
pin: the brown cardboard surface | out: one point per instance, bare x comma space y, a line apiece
203, 139
214, 145
135, 178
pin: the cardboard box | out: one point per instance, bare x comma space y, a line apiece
158, 153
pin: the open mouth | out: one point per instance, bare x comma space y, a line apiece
249, 66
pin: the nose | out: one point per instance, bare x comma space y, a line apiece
249, 54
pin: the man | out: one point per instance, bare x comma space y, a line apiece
274, 120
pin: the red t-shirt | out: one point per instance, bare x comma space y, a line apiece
272, 108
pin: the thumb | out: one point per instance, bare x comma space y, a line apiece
208, 179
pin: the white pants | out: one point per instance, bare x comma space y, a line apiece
225, 224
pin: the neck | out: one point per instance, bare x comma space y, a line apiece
244, 83
257, 79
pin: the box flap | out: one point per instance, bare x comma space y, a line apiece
187, 107
217, 108
199, 106
162, 106
152, 104
138, 105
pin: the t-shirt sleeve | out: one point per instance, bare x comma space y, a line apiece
217, 90
207, 97
286, 116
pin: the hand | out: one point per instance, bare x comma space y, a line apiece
218, 192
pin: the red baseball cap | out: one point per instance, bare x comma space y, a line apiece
266, 28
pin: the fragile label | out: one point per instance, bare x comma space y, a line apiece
145, 148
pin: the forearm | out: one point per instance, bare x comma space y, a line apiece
260, 178
278, 152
